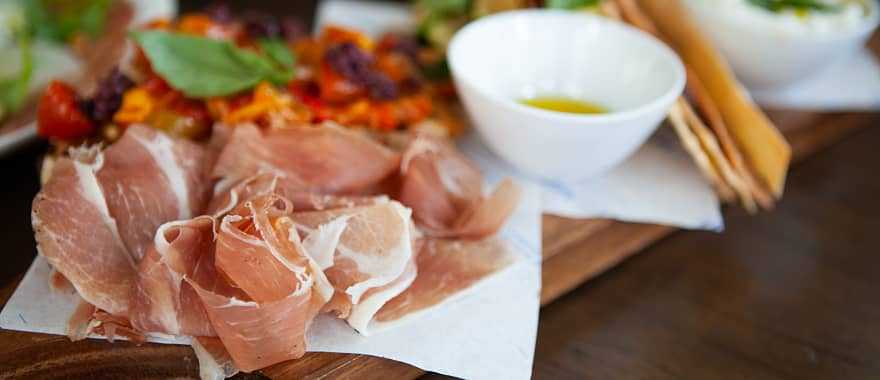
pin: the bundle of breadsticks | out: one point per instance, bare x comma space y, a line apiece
731, 140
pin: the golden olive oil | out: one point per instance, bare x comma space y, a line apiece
564, 104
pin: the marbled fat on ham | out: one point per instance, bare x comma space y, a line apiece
79, 238
97, 215
149, 179
367, 253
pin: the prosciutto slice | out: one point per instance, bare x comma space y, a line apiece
447, 268
96, 216
326, 159
444, 189
245, 279
149, 179
75, 232
366, 252
258, 250
228, 195
162, 301
290, 230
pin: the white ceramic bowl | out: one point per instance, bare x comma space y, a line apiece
769, 53
499, 60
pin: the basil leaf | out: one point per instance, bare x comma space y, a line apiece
203, 67
278, 51
569, 4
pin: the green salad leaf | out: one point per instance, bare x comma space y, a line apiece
444, 7
809, 5
203, 67
60, 20
279, 52
14, 90
570, 4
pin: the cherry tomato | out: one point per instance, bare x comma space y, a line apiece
334, 88
156, 86
308, 94
59, 116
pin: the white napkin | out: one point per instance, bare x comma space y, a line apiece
659, 184
370, 17
851, 84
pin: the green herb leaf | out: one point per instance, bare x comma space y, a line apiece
14, 91
279, 52
569, 4
806, 5
437, 70
444, 7
203, 67
59, 20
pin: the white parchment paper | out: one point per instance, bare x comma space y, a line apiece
851, 84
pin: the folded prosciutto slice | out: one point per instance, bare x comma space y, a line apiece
326, 158
245, 280
163, 301
229, 194
446, 269
445, 191
96, 216
148, 179
290, 229
366, 252
258, 250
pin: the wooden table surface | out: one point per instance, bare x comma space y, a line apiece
787, 294
790, 294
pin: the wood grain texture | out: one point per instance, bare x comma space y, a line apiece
790, 294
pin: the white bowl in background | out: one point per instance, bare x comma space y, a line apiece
768, 51
501, 59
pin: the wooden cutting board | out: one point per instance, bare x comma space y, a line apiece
574, 251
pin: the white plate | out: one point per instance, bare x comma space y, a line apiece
144, 11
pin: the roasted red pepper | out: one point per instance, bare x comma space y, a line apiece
59, 115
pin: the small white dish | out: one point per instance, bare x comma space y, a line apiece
499, 60
770, 51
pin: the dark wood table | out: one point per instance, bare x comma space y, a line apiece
790, 294
794, 293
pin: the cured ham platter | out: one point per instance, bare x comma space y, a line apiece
574, 252
245, 194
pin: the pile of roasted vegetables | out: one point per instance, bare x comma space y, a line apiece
208, 67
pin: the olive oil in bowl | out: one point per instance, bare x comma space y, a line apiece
565, 105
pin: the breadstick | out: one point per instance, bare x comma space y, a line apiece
764, 148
